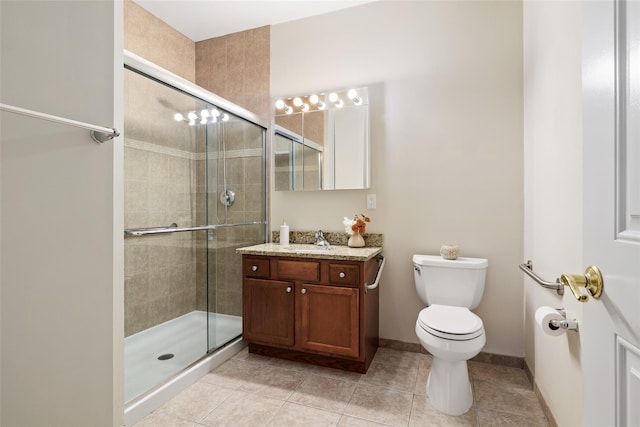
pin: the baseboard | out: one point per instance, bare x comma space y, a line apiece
493, 359
543, 403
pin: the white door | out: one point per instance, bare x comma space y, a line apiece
611, 115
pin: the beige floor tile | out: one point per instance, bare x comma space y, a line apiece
501, 375
347, 421
510, 399
424, 414
336, 373
381, 405
392, 376
196, 401
158, 419
274, 382
404, 359
233, 373
298, 415
488, 418
331, 394
290, 364
253, 390
243, 409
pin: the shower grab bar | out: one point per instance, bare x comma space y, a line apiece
173, 228
528, 269
98, 133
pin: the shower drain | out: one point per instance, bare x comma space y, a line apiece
165, 356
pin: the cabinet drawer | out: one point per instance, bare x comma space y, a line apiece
344, 274
255, 267
299, 270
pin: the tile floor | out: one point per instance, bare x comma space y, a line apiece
252, 390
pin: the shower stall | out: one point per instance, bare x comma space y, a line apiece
195, 190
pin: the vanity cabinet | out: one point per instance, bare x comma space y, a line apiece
313, 310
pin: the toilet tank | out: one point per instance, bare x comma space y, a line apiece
458, 282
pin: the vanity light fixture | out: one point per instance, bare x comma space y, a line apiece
320, 101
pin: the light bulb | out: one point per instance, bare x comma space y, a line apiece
215, 113
203, 121
288, 109
204, 113
192, 122
357, 100
314, 99
333, 97
297, 101
225, 117
352, 93
305, 107
178, 117
192, 115
279, 104
321, 105
339, 103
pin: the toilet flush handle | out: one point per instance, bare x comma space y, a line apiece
416, 267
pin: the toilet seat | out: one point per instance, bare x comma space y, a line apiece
450, 322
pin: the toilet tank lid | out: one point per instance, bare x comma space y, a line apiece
460, 262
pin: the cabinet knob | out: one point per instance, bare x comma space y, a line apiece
254, 268
289, 289
303, 291
342, 275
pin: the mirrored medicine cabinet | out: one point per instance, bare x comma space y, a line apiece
321, 141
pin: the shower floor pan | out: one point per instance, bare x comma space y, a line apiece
156, 354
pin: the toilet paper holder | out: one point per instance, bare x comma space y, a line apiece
568, 324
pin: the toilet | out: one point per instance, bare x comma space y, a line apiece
447, 328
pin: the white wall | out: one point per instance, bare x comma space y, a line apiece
553, 193
445, 83
61, 213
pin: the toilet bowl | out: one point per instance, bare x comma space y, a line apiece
451, 345
447, 328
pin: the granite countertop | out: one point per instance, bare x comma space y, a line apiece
296, 250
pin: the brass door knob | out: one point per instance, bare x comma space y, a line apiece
591, 281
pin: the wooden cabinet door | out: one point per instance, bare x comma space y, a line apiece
268, 315
328, 319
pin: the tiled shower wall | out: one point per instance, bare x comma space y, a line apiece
165, 178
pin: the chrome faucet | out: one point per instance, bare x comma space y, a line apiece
320, 240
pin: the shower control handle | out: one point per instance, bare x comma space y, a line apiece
254, 268
289, 289
303, 291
